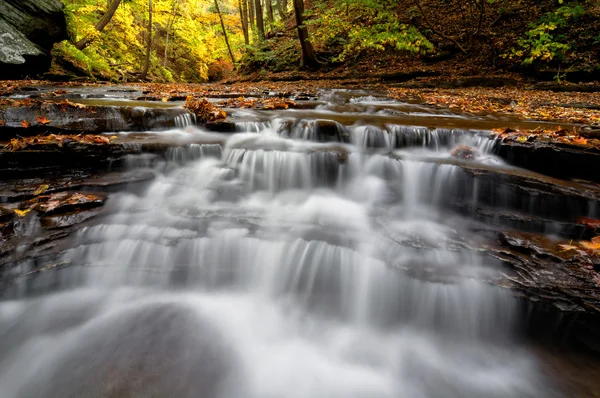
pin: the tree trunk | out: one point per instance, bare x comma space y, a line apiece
308, 53
100, 25
270, 17
169, 27
259, 20
252, 18
224, 32
282, 9
149, 45
242, 5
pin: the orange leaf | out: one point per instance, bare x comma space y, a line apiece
42, 120
25, 124
580, 141
567, 247
2, 122
590, 245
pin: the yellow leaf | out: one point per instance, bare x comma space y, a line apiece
21, 213
42, 188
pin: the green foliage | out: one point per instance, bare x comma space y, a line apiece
87, 61
271, 56
544, 41
386, 35
376, 28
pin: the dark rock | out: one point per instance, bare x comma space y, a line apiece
7, 229
19, 190
97, 119
516, 190
329, 131
543, 273
68, 219
590, 132
557, 160
28, 30
220, 127
6, 214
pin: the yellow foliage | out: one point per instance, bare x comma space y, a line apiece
195, 39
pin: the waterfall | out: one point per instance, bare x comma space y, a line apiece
307, 262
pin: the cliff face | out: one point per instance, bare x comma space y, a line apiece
28, 30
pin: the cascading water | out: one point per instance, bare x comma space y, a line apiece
272, 267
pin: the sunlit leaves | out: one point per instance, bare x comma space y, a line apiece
194, 38
59, 140
259, 103
205, 111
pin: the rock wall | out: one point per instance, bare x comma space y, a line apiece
28, 30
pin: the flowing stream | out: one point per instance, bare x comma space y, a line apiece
277, 264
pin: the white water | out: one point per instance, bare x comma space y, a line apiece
275, 268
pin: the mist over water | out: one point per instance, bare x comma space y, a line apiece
275, 266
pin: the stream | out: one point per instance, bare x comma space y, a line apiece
313, 252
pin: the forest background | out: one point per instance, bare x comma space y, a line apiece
202, 40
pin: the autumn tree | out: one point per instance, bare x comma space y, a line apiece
260, 25
149, 43
243, 10
168, 28
100, 25
282, 6
224, 32
309, 58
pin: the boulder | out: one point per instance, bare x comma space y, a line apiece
28, 30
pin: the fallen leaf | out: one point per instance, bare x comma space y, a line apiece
567, 247
21, 213
42, 120
41, 189
25, 124
2, 123
590, 245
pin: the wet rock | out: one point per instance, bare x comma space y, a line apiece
6, 229
329, 131
514, 189
19, 190
563, 161
68, 117
220, 127
28, 30
6, 214
63, 202
67, 219
498, 219
463, 152
590, 132
53, 159
543, 272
